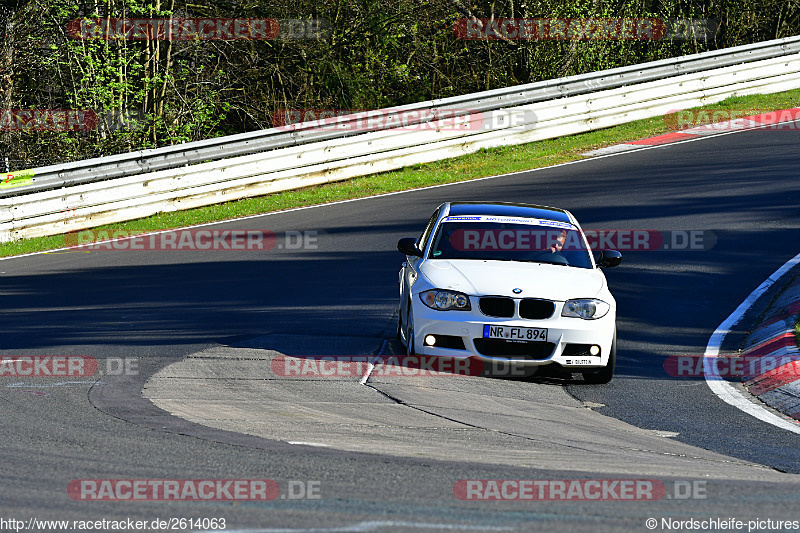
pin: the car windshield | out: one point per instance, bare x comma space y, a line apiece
510, 239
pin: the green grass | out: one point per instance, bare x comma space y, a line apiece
491, 162
797, 331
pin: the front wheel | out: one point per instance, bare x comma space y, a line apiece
399, 332
603, 375
410, 349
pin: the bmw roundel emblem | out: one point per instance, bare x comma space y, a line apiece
517, 291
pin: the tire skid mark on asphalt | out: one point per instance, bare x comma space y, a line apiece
663, 434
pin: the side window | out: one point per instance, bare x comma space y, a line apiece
425, 234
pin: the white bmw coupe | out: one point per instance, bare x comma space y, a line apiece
511, 284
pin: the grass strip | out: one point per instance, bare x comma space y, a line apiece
797, 331
491, 162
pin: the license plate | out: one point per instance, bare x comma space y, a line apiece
514, 334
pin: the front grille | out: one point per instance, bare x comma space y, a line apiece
498, 306
536, 309
514, 350
577, 350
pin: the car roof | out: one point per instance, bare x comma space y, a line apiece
509, 210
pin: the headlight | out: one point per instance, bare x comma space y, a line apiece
443, 300
588, 309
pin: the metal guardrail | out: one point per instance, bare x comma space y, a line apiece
170, 157
315, 156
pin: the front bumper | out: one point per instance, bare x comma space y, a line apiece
567, 338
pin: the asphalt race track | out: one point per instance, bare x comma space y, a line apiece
200, 328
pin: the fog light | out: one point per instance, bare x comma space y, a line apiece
594, 350
430, 340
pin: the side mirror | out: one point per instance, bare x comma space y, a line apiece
409, 247
609, 258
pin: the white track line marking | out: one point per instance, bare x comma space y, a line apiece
371, 365
724, 390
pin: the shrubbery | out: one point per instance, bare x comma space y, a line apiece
379, 53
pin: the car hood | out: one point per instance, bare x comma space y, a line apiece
537, 280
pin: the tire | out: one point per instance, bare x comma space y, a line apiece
410, 349
399, 333
603, 375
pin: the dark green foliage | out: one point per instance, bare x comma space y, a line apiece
379, 53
